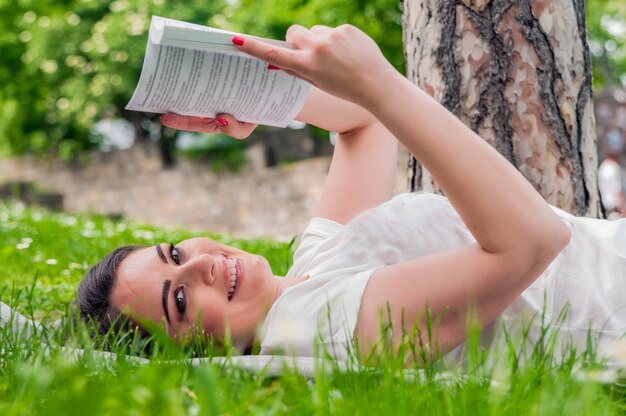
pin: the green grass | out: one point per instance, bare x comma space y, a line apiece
45, 254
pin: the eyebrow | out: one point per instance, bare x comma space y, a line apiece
166, 291
166, 285
160, 253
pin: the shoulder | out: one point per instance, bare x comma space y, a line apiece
317, 232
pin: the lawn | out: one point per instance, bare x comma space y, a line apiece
44, 255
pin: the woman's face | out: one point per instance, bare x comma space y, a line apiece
190, 287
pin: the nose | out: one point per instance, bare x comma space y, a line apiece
202, 268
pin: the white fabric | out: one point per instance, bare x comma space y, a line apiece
272, 365
610, 183
590, 274
18, 322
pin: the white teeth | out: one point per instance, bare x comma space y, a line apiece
233, 276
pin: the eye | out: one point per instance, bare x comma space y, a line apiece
180, 301
175, 254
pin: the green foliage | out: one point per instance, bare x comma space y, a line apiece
606, 25
67, 64
381, 19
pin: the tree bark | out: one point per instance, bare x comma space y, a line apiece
518, 74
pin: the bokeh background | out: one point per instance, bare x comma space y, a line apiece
68, 68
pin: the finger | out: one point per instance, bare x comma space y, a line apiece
189, 123
231, 126
279, 56
299, 36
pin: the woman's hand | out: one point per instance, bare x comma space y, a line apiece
343, 61
222, 123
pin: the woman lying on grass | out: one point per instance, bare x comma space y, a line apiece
493, 248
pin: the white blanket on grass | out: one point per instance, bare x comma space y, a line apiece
272, 365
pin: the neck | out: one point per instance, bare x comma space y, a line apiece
282, 284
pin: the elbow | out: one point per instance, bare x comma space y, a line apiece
357, 128
542, 252
565, 236
560, 236
555, 241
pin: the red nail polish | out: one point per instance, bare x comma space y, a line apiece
222, 122
272, 67
238, 40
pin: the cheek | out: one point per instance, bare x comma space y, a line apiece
260, 265
210, 313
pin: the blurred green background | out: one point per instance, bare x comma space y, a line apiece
65, 65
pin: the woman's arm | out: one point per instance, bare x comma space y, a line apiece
518, 234
363, 167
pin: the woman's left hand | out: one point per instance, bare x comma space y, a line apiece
222, 123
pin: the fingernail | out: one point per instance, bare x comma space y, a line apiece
222, 122
238, 40
165, 118
272, 67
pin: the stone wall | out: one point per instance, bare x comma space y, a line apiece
276, 201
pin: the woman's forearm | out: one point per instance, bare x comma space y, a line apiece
364, 150
333, 114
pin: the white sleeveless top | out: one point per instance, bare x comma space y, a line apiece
322, 311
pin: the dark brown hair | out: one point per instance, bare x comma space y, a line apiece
94, 297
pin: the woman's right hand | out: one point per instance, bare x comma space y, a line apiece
343, 61
222, 123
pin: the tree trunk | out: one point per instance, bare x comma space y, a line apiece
519, 74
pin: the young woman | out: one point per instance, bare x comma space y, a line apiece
492, 248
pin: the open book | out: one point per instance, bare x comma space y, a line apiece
196, 71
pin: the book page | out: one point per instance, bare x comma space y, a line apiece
171, 32
199, 82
